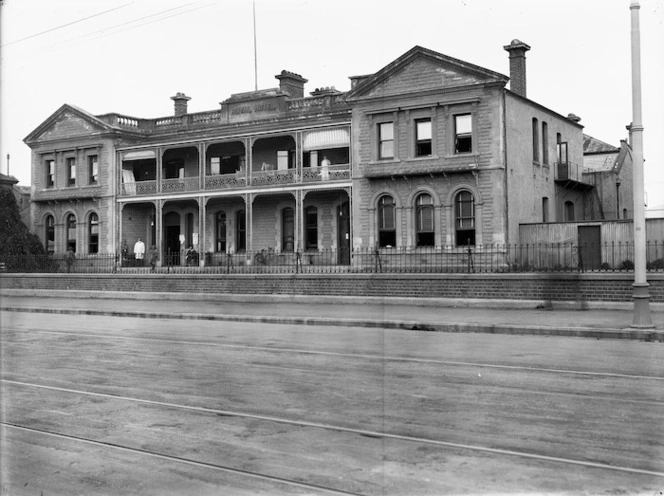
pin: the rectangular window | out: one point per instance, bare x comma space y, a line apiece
93, 169
71, 172
463, 133
422, 137
386, 140
50, 173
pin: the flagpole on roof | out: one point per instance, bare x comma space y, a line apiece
255, 51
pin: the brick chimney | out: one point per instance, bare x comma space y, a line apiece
292, 84
180, 106
517, 50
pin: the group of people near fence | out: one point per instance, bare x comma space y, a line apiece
138, 255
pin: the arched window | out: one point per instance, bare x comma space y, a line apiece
465, 218
240, 231
424, 222
49, 234
71, 232
569, 211
287, 229
535, 140
311, 228
387, 230
220, 232
93, 233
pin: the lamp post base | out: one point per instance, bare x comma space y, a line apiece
641, 297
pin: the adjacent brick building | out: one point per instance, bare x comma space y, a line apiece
429, 152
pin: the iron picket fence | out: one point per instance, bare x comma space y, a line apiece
535, 257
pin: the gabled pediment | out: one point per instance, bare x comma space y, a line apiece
421, 69
68, 122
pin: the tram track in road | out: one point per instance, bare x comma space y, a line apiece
366, 356
336, 428
187, 461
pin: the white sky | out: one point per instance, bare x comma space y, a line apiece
131, 56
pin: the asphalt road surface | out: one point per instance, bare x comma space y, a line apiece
124, 406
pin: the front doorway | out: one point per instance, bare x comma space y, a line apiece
172, 238
343, 233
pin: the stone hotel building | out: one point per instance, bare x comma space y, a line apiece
428, 152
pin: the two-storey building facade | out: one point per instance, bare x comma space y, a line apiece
429, 152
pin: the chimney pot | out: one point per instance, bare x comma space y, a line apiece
292, 84
517, 50
180, 105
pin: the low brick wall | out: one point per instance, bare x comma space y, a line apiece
547, 287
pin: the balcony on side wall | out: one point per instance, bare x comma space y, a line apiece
574, 176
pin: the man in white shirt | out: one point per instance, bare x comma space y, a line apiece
139, 252
325, 169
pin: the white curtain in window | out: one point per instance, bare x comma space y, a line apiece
129, 181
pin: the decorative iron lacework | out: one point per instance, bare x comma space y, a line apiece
139, 188
184, 184
273, 177
225, 181
334, 172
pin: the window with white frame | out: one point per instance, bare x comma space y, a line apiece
463, 133
93, 169
386, 140
423, 145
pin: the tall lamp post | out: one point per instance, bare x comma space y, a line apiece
641, 294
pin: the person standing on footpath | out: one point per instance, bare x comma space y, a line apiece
139, 252
70, 257
154, 256
124, 252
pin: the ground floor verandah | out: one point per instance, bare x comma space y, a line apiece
206, 230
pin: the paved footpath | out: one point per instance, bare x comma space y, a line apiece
424, 314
